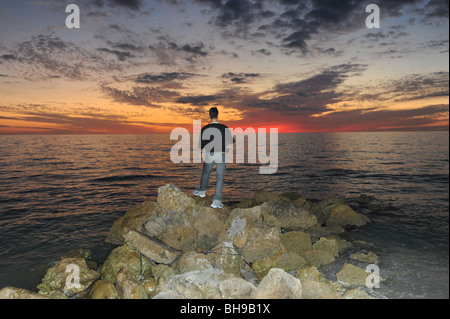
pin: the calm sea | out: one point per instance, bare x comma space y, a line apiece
65, 191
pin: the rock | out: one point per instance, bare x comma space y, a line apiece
128, 287
352, 276
57, 277
225, 257
246, 203
263, 196
318, 257
370, 257
318, 231
323, 209
236, 288
149, 285
357, 294
161, 273
125, 256
286, 215
344, 216
170, 295
191, 261
296, 241
284, 259
103, 290
133, 219
199, 284
238, 224
329, 244
151, 249
315, 285
278, 284
364, 199
18, 293
77, 253
262, 240
171, 198
208, 223
302, 202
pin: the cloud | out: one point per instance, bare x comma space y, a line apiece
46, 56
150, 78
198, 100
145, 96
240, 78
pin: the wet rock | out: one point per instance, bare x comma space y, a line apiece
352, 276
278, 284
329, 244
357, 294
370, 257
208, 223
323, 209
287, 215
315, 285
344, 216
63, 277
319, 257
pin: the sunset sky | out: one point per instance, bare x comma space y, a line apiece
149, 66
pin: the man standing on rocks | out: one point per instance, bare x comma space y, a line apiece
214, 139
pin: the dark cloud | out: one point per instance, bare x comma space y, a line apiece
150, 78
145, 96
239, 78
121, 55
199, 100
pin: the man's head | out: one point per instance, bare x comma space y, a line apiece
214, 113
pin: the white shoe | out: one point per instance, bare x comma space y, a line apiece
200, 193
217, 204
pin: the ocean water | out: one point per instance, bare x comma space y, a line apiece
61, 192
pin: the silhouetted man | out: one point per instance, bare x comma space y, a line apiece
214, 139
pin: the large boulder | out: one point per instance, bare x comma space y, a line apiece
125, 256
238, 224
192, 261
236, 288
225, 257
278, 284
328, 244
286, 215
128, 287
262, 240
200, 284
103, 290
174, 228
171, 198
133, 219
315, 285
70, 276
156, 251
323, 209
352, 276
344, 216
296, 241
208, 224
284, 259
263, 196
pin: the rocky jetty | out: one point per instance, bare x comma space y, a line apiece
178, 247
